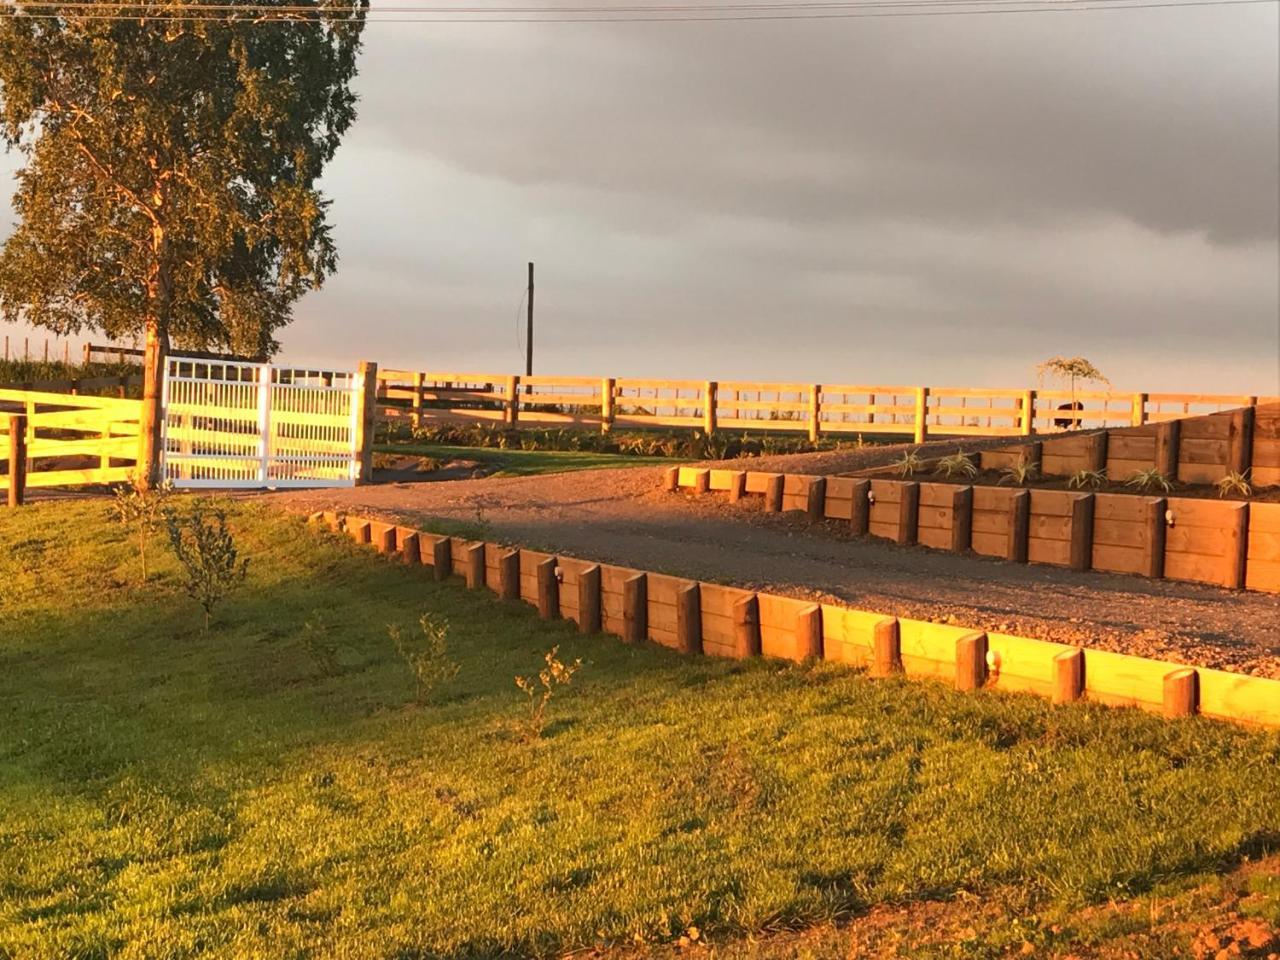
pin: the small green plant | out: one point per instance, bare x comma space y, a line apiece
426, 654
207, 552
908, 463
1086, 478
959, 464
1020, 472
1150, 481
141, 508
319, 647
1235, 484
540, 688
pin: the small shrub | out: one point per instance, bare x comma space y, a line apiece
316, 642
1020, 472
957, 465
141, 508
207, 552
1150, 481
1091, 479
426, 655
1235, 484
540, 688
908, 463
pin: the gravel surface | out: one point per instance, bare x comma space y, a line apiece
622, 516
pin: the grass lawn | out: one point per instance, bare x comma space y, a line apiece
524, 463
166, 793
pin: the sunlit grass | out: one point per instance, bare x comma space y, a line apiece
164, 793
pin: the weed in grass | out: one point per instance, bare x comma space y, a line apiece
319, 646
426, 656
1234, 484
207, 552
959, 464
541, 687
908, 464
1087, 479
1150, 481
140, 507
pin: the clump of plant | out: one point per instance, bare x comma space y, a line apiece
1235, 483
1020, 472
207, 552
141, 508
541, 687
426, 654
959, 464
1086, 478
319, 647
908, 463
1150, 481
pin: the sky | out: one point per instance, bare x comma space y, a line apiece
941, 200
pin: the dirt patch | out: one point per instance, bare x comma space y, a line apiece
622, 516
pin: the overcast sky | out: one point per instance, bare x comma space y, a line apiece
944, 200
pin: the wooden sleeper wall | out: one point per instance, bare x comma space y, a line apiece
726, 621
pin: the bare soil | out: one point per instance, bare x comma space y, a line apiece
623, 517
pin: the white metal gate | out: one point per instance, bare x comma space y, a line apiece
231, 424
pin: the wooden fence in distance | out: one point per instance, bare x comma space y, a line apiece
715, 620
418, 398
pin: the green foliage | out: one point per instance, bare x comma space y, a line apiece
39, 371
908, 464
1085, 478
426, 655
141, 508
541, 687
1234, 484
319, 646
1020, 472
959, 464
1150, 481
171, 167
222, 800
206, 550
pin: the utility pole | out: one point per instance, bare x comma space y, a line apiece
528, 339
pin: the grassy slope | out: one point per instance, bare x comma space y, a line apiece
218, 795
523, 463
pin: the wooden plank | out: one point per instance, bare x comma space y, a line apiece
1243, 699
1118, 679
929, 649
839, 501
718, 636
848, 634
777, 626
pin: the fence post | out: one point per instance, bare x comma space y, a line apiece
17, 460
513, 401
922, 414
1180, 693
1068, 676
886, 648
607, 387
1027, 423
417, 400
1138, 410
366, 402
971, 661
88, 352
710, 393
815, 412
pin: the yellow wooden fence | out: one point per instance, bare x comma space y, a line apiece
71, 440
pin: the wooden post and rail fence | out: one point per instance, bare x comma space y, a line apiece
419, 398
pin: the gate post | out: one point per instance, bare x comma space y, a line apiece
264, 422
365, 404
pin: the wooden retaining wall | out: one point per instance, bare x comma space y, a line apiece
1226, 543
716, 620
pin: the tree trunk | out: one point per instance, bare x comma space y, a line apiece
152, 419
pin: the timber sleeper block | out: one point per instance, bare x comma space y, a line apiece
1181, 689
1240, 440
410, 549
1082, 509
1238, 556
442, 559
886, 648
971, 661
386, 542
548, 590
509, 575
361, 531
1068, 676
746, 627
909, 512
671, 479
589, 599
1019, 526
961, 519
737, 486
1167, 442
473, 566
689, 619
701, 482
635, 608
817, 499
773, 494
860, 507
808, 633
1096, 451
1157, 529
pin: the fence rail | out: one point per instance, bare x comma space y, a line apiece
424, 397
